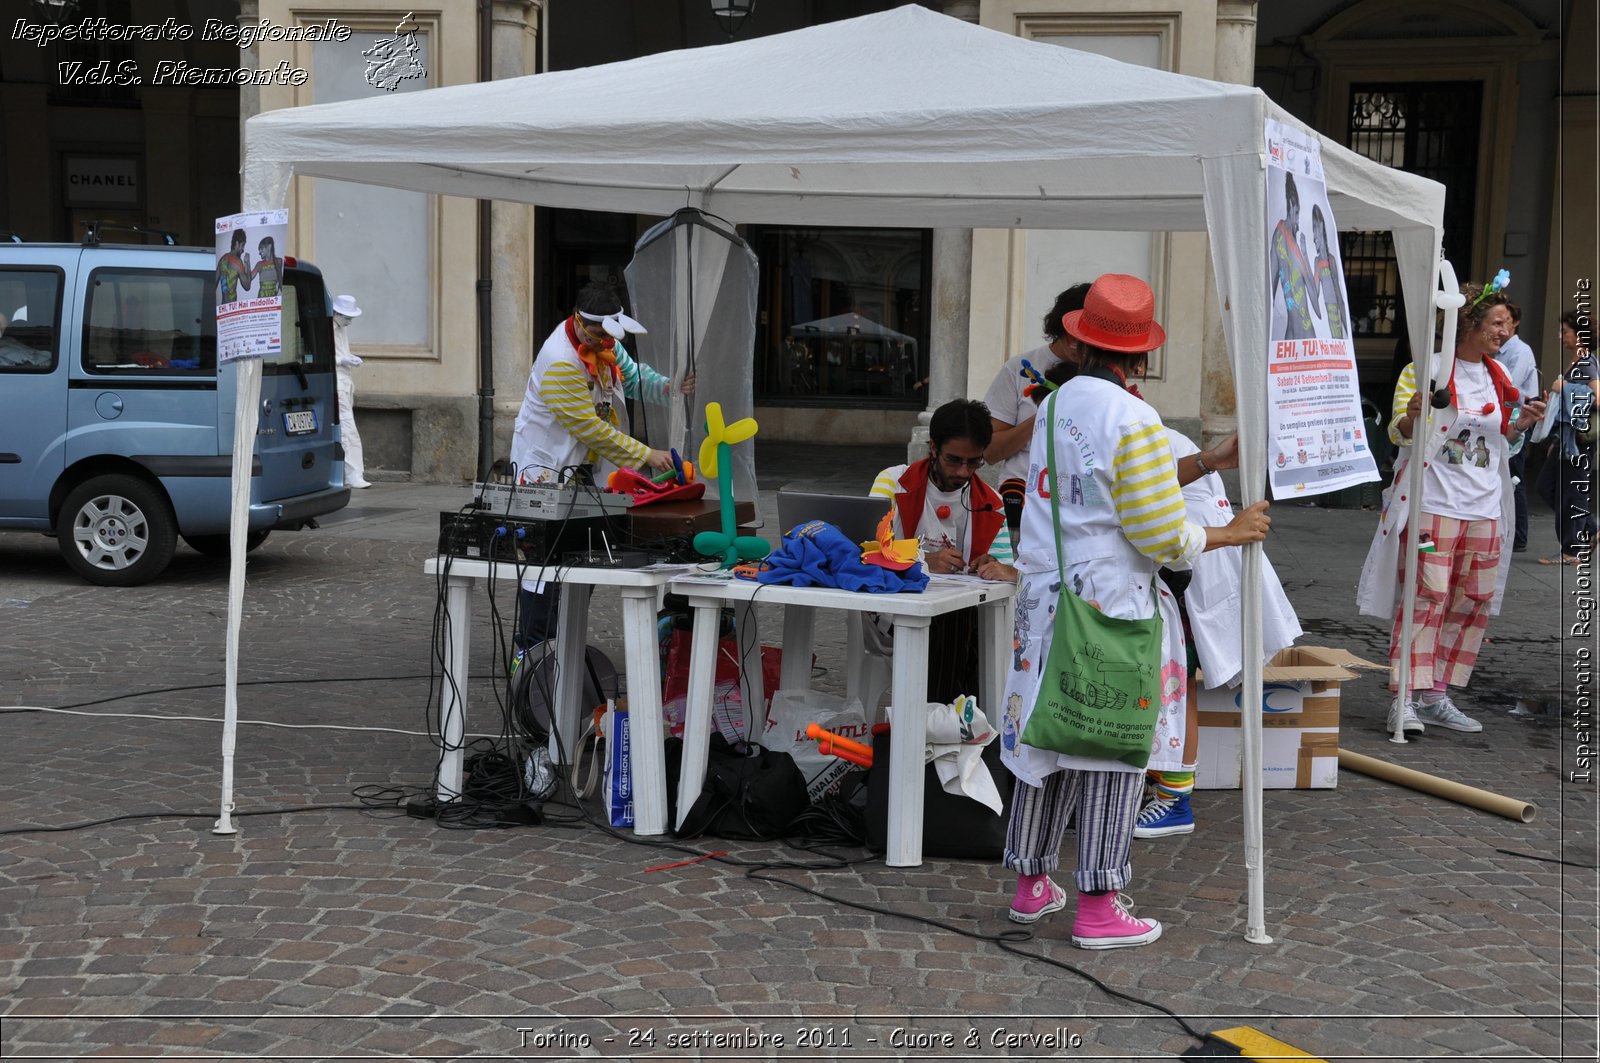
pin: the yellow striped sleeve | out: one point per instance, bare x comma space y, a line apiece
1144, 488
565, 390
887, 485
1404, 388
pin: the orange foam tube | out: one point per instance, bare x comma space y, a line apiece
839, 742
860, 760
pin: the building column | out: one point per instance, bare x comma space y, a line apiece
1235, 63
249, 95
513, 46
168, 133
29, 196
951, 296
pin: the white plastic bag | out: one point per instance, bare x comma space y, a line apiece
791, 712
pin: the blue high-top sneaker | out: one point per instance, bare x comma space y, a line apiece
1164, 816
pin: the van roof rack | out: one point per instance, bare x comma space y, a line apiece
12, 235
93, 229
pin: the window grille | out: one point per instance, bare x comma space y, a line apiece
1425, 128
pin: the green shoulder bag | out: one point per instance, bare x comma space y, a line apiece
1100, 686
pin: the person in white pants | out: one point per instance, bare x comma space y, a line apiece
345, 310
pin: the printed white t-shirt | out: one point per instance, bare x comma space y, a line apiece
1462, 478
944, 513
1009, 404
944, 521
934, 532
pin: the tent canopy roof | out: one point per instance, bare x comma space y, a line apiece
905, 117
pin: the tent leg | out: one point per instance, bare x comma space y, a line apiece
248, 384
224, 824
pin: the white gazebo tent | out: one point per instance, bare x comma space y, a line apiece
903, 118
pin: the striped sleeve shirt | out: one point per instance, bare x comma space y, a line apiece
565, 389
887, 485
642, 382
1148, 500
1404, 388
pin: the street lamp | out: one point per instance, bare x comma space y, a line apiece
732, 13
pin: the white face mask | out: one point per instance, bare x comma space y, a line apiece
342, 321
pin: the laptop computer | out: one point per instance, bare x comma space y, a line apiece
857, 516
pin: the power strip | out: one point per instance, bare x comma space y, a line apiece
601, 559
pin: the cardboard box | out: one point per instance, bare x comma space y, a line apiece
1299, 723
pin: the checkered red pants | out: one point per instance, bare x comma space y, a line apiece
1455, 584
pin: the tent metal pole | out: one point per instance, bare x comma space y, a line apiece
1255, 927
485, 284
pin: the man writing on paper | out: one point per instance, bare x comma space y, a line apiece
960, 523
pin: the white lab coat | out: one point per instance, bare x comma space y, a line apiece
1101, 566
344, 360
1213, 597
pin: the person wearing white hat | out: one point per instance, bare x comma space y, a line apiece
571, 425
345, 310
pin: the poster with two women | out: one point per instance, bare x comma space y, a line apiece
1318, 441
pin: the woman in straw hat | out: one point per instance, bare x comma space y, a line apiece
1121, 516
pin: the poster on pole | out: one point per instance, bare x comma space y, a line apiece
1318, 439
250, 250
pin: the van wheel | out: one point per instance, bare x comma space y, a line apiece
217, 545
116, 531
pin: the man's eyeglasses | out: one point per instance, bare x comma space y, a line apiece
594, 330
955, 463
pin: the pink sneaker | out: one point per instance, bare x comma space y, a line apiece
1104, 922
1036, 897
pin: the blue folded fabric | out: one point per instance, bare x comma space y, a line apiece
817, 554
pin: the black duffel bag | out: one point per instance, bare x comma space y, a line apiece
954, 826
755, 797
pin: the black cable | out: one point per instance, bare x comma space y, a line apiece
1548, 860
819, 819
132, 816
1006, 940
218, 685
483, 804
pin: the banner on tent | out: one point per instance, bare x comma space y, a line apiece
250, 249
1318, 438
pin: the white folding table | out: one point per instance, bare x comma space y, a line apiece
912, 614
640, 592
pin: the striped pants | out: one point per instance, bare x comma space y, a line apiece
1105, 805
1455, 584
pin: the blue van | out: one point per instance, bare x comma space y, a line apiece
116, 423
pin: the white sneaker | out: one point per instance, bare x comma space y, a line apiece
1402, 712
1444, 713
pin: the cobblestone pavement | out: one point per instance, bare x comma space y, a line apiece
1404, 926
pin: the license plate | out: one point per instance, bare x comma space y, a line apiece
300, 422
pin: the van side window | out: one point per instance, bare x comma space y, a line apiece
30, 314
150, 321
